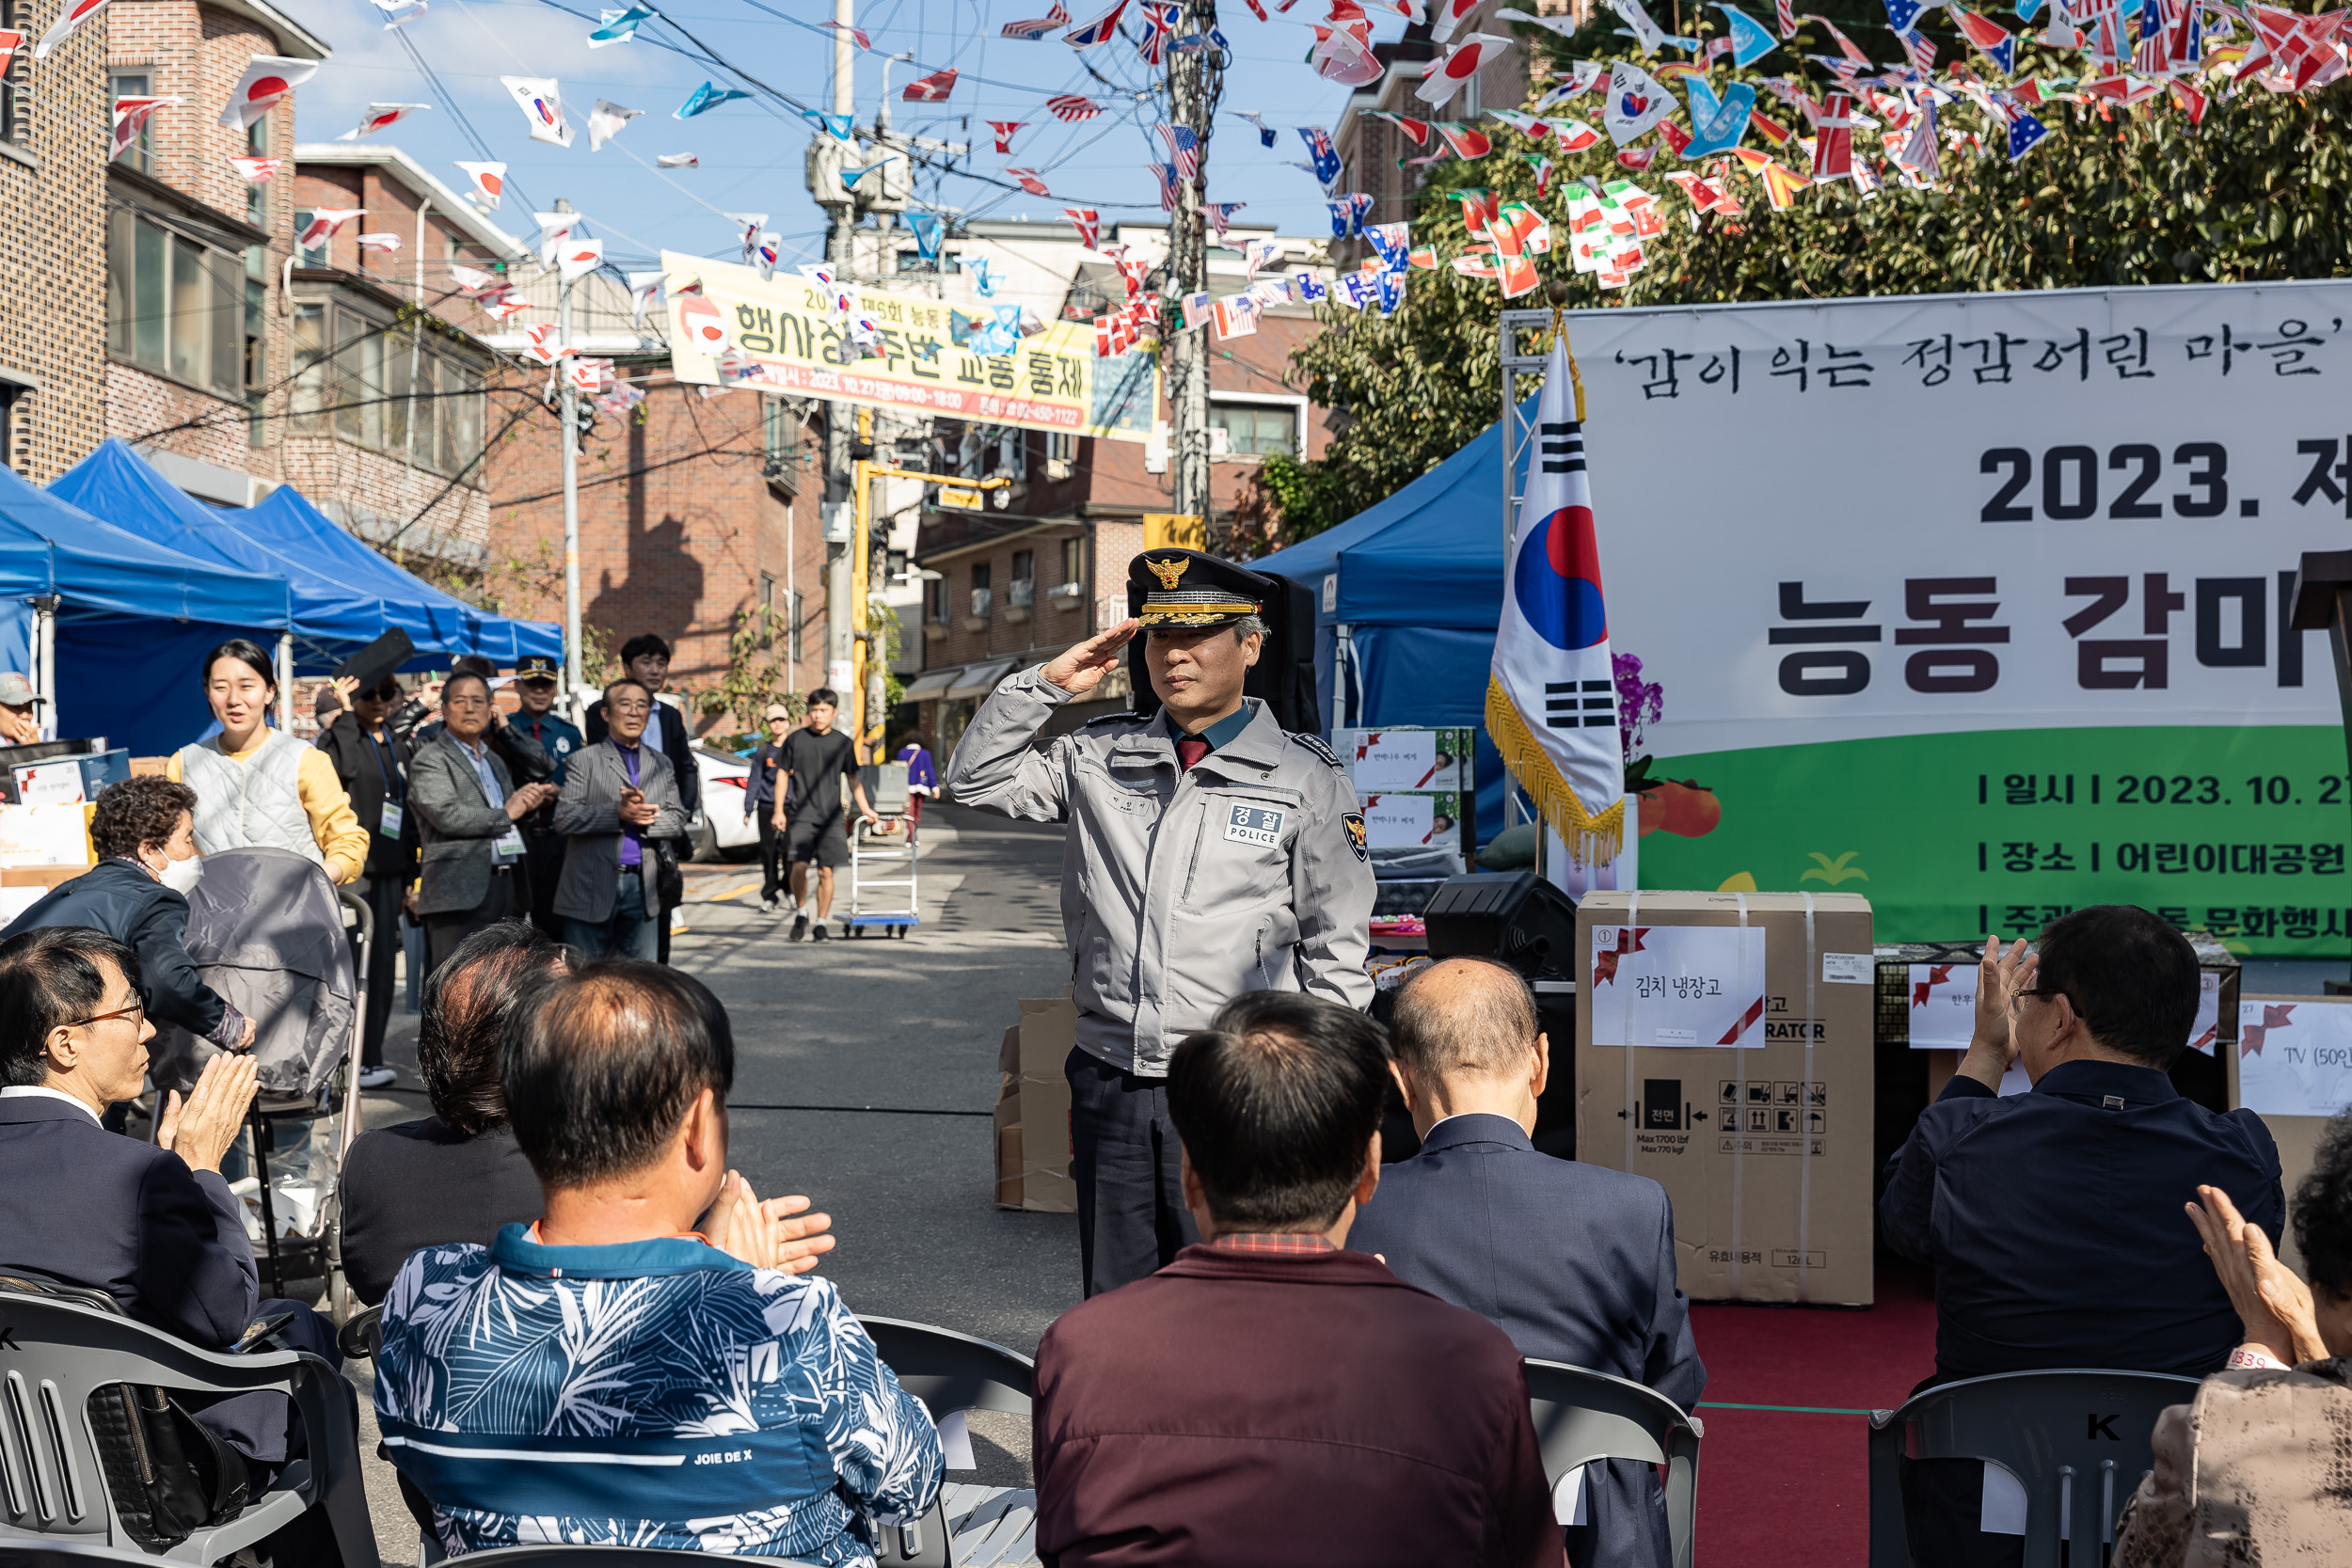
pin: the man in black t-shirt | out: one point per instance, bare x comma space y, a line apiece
816, 759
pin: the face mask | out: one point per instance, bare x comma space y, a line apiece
182, 875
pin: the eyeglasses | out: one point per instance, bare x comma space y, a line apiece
135, 1012
469, 700
633, 707
2019, 995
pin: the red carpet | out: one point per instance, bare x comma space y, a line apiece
1788, 1488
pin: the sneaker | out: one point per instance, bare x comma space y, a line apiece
800, 928
821, 934
378, 1077
772, 906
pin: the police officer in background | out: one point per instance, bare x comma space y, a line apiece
543, 847
1211, 853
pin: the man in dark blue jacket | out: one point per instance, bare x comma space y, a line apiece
2056, 1219
1574, 1262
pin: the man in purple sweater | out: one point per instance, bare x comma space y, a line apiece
1269, 1396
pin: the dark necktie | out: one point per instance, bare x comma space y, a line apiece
1190, 749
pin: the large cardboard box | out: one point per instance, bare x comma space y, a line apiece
1032, 1114
1724, 1049
2292, 1063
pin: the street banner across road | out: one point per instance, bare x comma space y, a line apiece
1977, 604
791, 338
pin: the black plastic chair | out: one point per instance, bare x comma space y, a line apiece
27, 1553
55, 1354
2078, 1441
601, 1556
1583, 1416
950, 1373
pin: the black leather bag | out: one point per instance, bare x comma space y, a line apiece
169, 1475
669, 882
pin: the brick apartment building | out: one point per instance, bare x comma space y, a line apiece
1004, 590
54, 125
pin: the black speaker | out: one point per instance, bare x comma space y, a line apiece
1513, 916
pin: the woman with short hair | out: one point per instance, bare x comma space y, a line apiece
258, 787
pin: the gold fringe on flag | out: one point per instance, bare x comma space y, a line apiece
1591, 840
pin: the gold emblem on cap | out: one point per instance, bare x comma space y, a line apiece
1168, 571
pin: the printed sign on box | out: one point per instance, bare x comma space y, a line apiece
1689, 986
1414, 835
1944, 1007
2295, 1058
1404, 758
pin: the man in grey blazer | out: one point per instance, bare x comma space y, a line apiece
1574, 1262
620, 799
466, 808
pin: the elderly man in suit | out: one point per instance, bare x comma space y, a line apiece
153, 1225
620, 801
467, 807
1574, 1262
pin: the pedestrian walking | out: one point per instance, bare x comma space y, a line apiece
539, 724
761, 796
818, 758
922, 780
618, 810
1211, 853
467, 806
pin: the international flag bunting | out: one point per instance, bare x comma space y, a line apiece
1718, 123
620, 26
835, 126
323, 224
1004, 129
131, 118
1551, 698
1674, 137
1235, 316
1159, 25
1088, 223
488, 181
1029, 32
383, 244
1749, 41
1221, 215
607, 121
1465, 61
1267, 136
380, 116
1781, 185
12, 40
1424, 257
933, 88
1987, 38
1184, 148
1417, 129
1903, 15
1070, 107
1113, 336
257, 172
1919, 49
1648, 34
1922, 155
265, 83
1195, 308
1846, 46
1832, 145
70, 17
1462, 140
1636, 102
645, 290
1165, 175
542, 104
1326, 155
1347, 213
1029, 181
864, 40
1101, 30
1542, 165
1389, 242
1480, 208
1258, 255
2025, 134
1574, 136
1785, 17
1195, 43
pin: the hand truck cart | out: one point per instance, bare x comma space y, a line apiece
882, 880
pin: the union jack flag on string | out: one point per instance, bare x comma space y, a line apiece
1159, 25
1101, 30
1032, 31
1184, 145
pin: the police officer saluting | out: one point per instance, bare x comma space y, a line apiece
1211, 853
543, 847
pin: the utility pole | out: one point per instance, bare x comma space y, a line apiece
1193, 87
570, 403
841, 615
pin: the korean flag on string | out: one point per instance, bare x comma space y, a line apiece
1636, 102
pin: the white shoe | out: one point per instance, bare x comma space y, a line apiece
378, 1077
772, 906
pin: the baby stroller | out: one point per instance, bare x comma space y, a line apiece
274, 936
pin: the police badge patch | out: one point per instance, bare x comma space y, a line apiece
1357, 838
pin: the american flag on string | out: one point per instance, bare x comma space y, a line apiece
1159, 25
1785, 12
1165, 175
1032, 31
1071, 107
1221, 214
1184, 145
1101, 30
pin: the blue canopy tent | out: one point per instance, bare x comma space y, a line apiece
1407, 635
133, 618
437, 622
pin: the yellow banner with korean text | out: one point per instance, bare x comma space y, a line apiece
782, 334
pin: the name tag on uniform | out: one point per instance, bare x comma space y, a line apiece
394, 817
509, 842
1258, 825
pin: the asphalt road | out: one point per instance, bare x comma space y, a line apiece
865, 1074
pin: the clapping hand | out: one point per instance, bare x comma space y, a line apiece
635, 809
775, 1234
2274, 1305
1990, 1048
201, 1131
527, 799
1081, 668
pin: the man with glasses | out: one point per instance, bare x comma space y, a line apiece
153, 1225
2056, 1219
620, 799
467, 807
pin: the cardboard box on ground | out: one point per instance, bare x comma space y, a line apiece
1726, 1051
1033, 1109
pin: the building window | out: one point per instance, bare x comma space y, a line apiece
1073, 562
1061, 447
780, 432
798, 616
936, 600
1021, 589
256, 341
357, 378
767, 610
303, 258
1256, 428
175, 306
140, 155
979, 590
16, 15
257, 196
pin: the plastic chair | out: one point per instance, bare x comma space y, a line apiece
601, 1556
2078, 1441
1583, 1416
17, 1552
55, 1354
950, 1373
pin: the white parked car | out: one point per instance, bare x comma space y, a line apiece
721, 832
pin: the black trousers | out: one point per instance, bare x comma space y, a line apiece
772, 873
383, 896
1123, 1156
443, 933
544, 854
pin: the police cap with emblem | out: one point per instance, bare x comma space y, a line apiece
534, 667
1173, 588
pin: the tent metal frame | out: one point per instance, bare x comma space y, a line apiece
1519, 328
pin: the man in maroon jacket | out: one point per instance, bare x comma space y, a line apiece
1268, 1397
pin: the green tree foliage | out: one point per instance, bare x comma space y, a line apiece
2262, 190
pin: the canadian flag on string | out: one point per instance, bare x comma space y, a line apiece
267, 82
131, 117
323, 224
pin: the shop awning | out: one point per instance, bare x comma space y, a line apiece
978, 680
931, 683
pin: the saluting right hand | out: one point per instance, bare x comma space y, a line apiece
1081, 668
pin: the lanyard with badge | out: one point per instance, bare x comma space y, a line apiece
394, 813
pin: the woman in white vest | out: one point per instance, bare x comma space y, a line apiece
257, 786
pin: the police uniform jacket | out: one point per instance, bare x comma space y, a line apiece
1181, 890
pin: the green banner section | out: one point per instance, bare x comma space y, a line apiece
2236, 831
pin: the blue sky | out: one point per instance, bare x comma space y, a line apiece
751, 149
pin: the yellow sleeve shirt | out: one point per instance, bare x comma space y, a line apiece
341, 841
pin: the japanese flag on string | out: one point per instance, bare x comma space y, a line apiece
1552, 701
489, 184
257, 172
577, 258
323, 225
645, 290
266, 81
378, 117
71, 16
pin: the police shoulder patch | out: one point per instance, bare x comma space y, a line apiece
1357, 838
1315, 744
